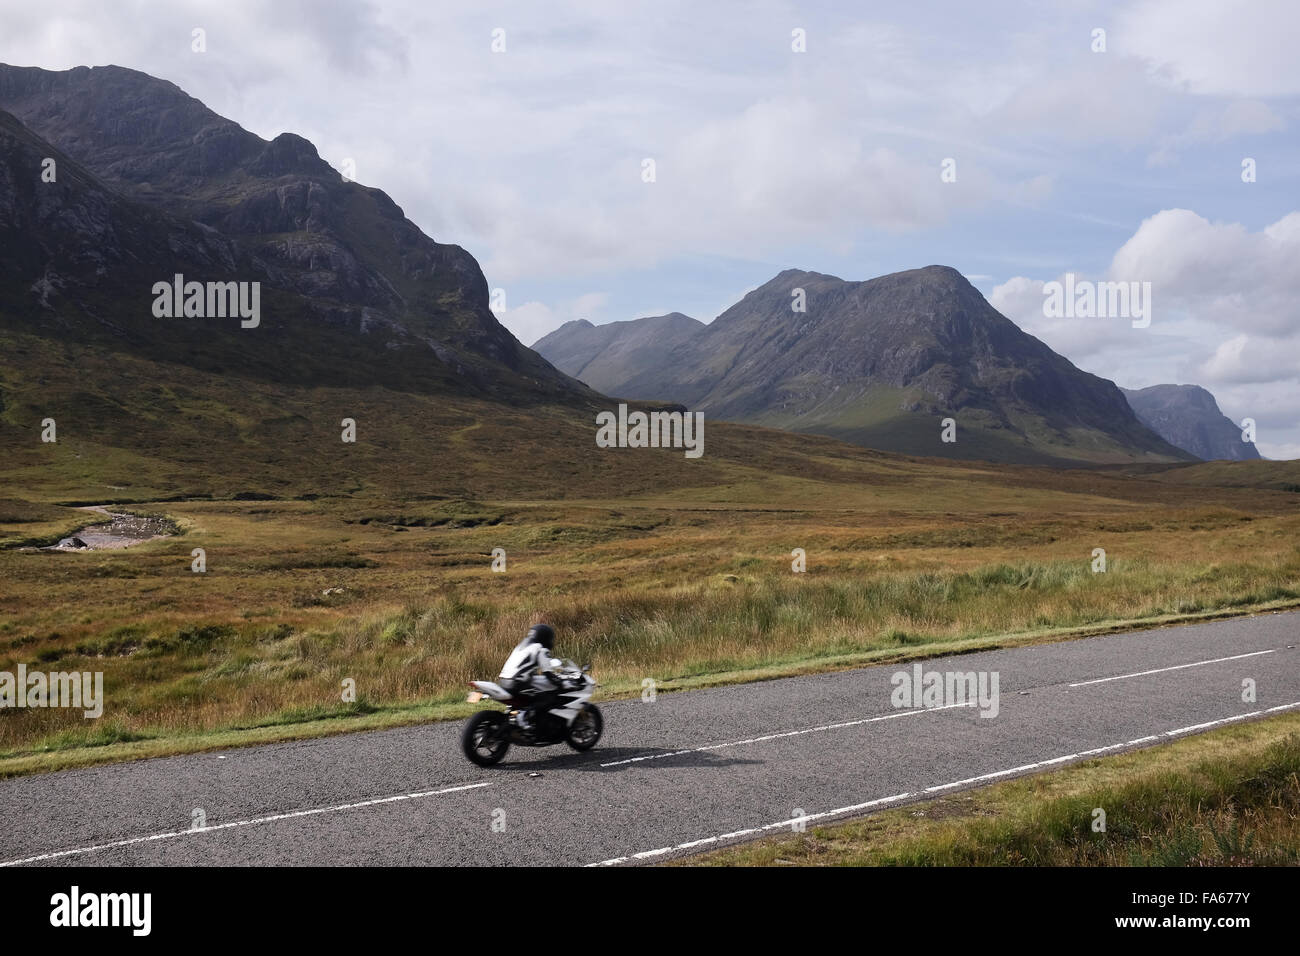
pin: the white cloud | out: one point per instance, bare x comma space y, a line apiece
1244, 48
1218, 272
1215, 278
1226, 315
1253, 359
532, 320
779, 171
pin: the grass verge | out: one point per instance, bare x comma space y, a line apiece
1228, 797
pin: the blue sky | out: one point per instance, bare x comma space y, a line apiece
1122, 164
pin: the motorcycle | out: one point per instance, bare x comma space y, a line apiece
571, 718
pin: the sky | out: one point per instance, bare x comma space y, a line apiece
607, 161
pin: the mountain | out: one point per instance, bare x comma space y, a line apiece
150, 183
878, 363
1188, 416
620, 357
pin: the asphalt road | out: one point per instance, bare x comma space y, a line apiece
687, 771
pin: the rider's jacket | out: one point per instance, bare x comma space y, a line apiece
529, 666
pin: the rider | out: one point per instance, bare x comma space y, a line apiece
530, 671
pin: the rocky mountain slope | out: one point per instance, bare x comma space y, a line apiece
620, 357
1188, 416
879, 363
151, 183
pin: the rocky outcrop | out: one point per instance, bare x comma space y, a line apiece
1188, 416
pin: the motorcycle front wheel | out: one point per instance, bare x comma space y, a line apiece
584, 732
486, 738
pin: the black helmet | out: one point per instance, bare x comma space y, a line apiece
542, 634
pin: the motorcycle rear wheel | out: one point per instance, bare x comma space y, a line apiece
486, 738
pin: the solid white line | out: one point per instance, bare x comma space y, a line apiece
781, 824
243, 823
788, 733
646, 854
1176, 667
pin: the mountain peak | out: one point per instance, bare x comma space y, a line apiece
614, 353
290, 153
879, 362
786, 276
1169, 392
931, 276
946, 275
1188, 416
672, 321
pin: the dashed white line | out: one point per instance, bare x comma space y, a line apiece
171, 835
882, 801
787, 733
1176, 667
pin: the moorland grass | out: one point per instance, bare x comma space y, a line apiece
171, 675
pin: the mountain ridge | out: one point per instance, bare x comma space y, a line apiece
879, 362
609, 354
353, 290
1189, 417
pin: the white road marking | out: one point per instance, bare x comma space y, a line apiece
243, 823
647, 854
1176, 667
857, 807
788, 733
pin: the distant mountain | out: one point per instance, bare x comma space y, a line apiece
620, 358
878, 363
150, 183
1188, 416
